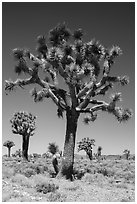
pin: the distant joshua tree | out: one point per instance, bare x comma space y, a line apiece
99, 151
8, 144
84, 67
53, 148
18, 153
86, 145
127, 153
23, 123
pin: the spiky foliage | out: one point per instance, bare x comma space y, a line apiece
53, 148
59, 34
23, 123
8, 144
86, 144
42, 47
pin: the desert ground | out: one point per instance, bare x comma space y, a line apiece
110, 179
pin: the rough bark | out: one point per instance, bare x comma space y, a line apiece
25, 146
89, 153
66, 169
9, 148
55, 164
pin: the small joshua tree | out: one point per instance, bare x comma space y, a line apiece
85, 68
8, 144
53, 148
99, 151
23, 123
86, 144
18, 153
126, 153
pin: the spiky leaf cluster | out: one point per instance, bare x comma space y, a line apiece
20, 55
42, 47
8, 144
23, 123
90, 118
78, 34
59, 34
9, 85
86, 144
53, 148
122, 115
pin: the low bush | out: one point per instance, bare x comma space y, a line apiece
22, 180
7, 172
56, 197
28, 172
46, 187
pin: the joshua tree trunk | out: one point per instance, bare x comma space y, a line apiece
25, 146
89, 153
69, 146
55, 164
9, 148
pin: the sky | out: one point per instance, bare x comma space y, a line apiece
111, 24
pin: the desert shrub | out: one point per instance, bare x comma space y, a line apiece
44, 184
22, 180
6, 196
46, 187
7, 172
56, 197
78, 174
105, 171
88, 178
28, 172
121, 185
71, 186
95, 178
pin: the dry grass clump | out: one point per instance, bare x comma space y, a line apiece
46, 187
44, 184
7, 172
56, 197
22, 180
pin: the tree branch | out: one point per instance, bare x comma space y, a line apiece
103, 107
10, 85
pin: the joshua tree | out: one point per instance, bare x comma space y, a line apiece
86, 71
18, 153
127, 153
8, 144
99, 151
23, 123
53, 148
86, 145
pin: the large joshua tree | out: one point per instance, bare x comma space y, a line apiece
8, 144
85, 69
23, 123
86, 144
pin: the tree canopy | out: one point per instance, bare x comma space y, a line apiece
8, 144
23, 123
84, 67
